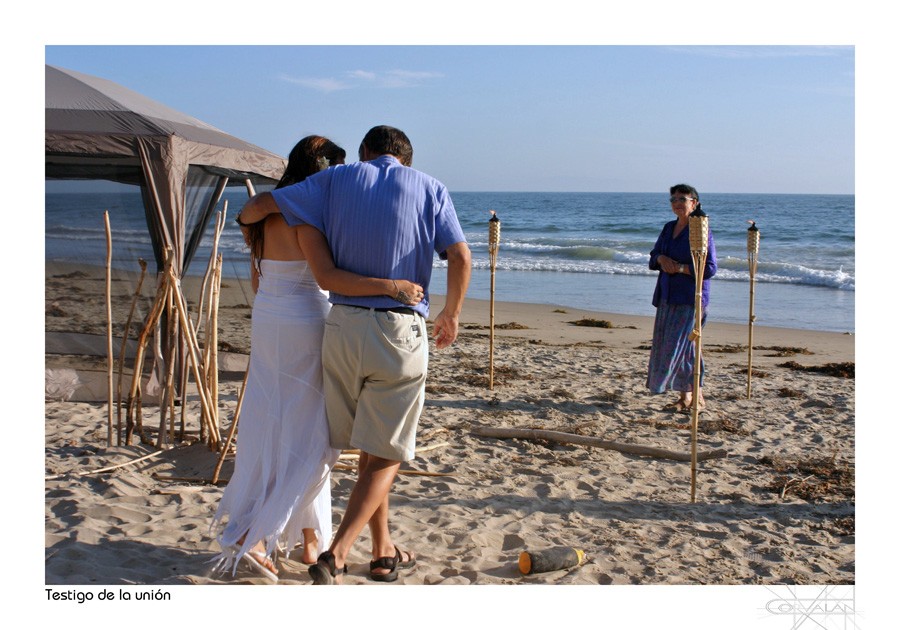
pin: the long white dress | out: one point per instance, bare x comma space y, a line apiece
282, 477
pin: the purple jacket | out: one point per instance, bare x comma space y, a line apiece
679, 288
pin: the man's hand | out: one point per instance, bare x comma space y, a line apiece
446, 328
459, 269
408, 292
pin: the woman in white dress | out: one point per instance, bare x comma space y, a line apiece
280, 492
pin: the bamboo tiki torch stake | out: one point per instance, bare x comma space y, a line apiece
699, 237
109, 342
752, 256
493, 249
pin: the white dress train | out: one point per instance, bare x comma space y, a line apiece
282, 476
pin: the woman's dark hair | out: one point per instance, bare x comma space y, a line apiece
685, 189
384, 140
305, 159
309, 156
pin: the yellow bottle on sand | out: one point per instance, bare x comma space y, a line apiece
549, 560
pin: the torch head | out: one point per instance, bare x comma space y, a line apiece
494, 230
698, 224
752, 238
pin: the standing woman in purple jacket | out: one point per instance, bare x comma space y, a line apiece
672, 352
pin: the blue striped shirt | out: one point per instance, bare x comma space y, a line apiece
381, 219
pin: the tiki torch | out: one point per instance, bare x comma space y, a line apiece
698, 224
493, 249
752, 255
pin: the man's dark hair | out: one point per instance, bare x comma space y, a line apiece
384, 140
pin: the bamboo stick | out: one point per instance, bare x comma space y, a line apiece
211, 281
202, 480
493, 250
182, 386
699, 240
164, 377
109, 343
491, 342
205, 404
108, 468
152, 317
699, 264
419, 473
206, 435
752, 259
201, 323
137, 294
233, 429
168, 401
582, 440
425, 449
210, 269
355, 453
215, 435
213, 341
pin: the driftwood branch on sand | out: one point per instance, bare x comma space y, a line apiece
107, 468
583, 440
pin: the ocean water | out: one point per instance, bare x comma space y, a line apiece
584, 250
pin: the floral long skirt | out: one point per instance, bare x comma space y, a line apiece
672, 353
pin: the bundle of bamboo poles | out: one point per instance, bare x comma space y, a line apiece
184, 347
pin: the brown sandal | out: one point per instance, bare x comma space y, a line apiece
324, 571
392, 564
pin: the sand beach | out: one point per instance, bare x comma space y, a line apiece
777, 509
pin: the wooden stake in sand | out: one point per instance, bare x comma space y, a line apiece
109, 344
137, 294
232, 430
698, 223
212, 340
196, 364
133, 413
493, 250
752, 255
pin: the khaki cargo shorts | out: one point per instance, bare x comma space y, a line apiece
375, 364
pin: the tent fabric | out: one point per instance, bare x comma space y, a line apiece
97, 129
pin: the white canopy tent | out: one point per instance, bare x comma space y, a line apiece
97, 129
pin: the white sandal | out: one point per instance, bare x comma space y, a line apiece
259, 567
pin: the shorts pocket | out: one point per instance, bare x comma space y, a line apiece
403, 332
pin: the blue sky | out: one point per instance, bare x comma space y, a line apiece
528, 118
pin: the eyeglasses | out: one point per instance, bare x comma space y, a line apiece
677, 199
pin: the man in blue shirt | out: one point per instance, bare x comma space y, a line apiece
383, 219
